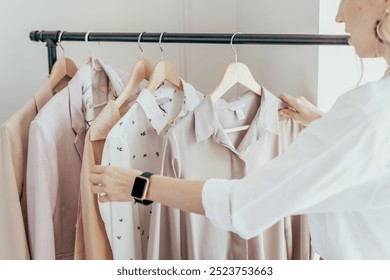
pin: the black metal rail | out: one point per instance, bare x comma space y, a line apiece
51, 39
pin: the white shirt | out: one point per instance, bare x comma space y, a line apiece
337, 171
135, 142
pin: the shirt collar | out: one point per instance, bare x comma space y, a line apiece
74, 88
267, 117
94, 102
115, 76
105, 121
155, 115
110, 114
191, 98
387, 72
265, 120
206, 122
77, 88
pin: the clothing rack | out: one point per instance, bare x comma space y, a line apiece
51, 39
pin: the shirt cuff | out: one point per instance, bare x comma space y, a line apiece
216, 202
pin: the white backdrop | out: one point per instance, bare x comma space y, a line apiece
339, 67
23, 64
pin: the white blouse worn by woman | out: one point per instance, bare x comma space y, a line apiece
337, 171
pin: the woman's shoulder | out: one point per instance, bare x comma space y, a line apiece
373, 98
375, 90
367, 103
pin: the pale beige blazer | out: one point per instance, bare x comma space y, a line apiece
56, 146
13, 161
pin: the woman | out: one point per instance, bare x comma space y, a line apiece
337, 170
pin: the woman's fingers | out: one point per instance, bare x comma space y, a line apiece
97, 189
112, 183
288, 113
98, 169
95, 179
301, 110
291, 101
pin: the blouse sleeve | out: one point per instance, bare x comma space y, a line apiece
334, 165
42, 189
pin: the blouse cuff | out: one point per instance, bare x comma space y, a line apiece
216, 202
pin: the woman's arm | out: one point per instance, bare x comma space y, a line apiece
338, 154
186, 195
117, 183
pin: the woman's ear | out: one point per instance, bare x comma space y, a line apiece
382, 30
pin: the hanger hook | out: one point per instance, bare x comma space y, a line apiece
89, 47
139, 44
59, 43
159, 44
231, 44
86, 41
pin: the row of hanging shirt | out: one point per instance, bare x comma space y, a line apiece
102, 115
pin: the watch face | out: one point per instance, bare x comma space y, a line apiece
139, 187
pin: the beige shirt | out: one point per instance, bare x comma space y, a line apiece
91, 239
337, 172
198, 148
56, 145
13, 146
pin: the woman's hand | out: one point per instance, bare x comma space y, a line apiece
114, 183
300, 109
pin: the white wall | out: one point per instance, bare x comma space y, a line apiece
272, 66
339, 66
23, 64
281, 68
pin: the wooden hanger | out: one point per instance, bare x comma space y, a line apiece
163, 71
142, 70
235, 73
62, 68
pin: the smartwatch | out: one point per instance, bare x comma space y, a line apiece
140, 188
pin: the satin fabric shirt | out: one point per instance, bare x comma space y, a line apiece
198, 148
337, 171
56, 143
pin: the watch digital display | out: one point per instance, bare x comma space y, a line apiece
139, 187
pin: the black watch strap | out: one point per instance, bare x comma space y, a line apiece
144, 202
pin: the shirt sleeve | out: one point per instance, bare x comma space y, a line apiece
42, 187
13, 241
334, 165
